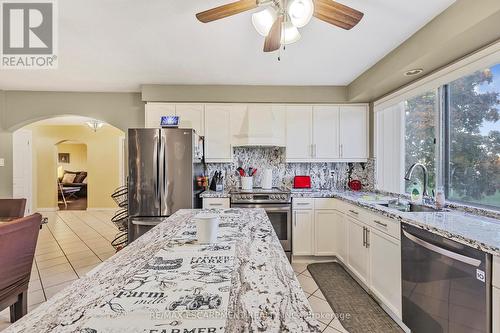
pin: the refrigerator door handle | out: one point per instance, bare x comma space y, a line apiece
155, 169
444, 252
161, 176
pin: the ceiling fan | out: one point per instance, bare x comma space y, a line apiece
279, 20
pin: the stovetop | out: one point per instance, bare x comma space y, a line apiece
260, 190
259, 195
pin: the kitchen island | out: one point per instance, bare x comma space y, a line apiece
166, 282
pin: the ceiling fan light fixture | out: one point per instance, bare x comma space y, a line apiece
263, 20
289, 33
300, 11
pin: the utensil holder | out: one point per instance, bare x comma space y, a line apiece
247, 183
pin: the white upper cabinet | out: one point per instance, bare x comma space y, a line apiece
354, 132
218, 132
154, 112
326, 132
299, 133
191, 116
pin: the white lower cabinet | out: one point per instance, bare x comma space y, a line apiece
327, 225
303, 232
385, 269
358, 258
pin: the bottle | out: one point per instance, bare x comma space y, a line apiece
416, 192
440, 197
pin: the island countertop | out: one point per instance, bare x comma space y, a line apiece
263, 293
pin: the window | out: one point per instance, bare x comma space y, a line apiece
472, 140
420, 134
453, 130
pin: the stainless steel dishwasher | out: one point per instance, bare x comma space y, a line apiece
446, 285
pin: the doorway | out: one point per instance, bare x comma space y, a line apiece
72, 175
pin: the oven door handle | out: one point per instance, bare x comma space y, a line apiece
444, 252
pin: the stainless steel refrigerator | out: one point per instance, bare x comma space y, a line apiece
163, 166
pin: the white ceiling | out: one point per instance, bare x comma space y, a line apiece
110, 45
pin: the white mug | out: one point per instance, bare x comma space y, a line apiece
207, 228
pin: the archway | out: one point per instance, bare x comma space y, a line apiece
105, 160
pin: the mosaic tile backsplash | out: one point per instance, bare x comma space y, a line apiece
283, 172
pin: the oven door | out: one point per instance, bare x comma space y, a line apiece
280, 216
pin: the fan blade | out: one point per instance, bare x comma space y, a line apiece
337, 14
273, 39
226, 10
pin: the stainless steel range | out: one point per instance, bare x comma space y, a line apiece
278, 205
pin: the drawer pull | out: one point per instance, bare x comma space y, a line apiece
380, 223
353, 211
215, 204
302, 203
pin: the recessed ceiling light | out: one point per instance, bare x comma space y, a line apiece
415, 71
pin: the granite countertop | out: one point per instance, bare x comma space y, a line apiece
255, 289
477, 231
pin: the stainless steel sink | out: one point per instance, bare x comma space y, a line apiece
417, 208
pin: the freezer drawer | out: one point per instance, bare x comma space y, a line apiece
138, 226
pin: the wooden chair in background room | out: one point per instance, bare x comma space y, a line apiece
12, 208
17, 248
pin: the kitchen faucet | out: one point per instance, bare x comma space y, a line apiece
426, 175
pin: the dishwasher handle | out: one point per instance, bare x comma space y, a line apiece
444, 252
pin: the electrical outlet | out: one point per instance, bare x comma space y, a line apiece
2, 162
332, 173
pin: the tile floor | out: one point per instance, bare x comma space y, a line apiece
70, 245
324, 313
74, 242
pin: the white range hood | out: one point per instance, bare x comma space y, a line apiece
259, 125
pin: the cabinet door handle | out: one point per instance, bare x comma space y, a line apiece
215, 204
302, 203
295, 219
367, 238
364, 236
341, 150
315, 150
380, 223
353, 211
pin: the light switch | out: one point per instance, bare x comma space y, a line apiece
2, 162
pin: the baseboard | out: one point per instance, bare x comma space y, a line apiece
108, 209
312, 259
47, 209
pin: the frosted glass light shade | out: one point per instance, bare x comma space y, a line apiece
300, 11
289, 33
263, 20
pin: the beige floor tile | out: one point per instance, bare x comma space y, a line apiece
34, 306
330, 329
308, 284
322, 310
82, 248
44, 273
106, 255
299, 267
46, 250
58, 278
306, 273
36, 297
85, 262
80, 255
322, 326
34, 285
51, 291
49, 256
82, 271
319, 294
51, 262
